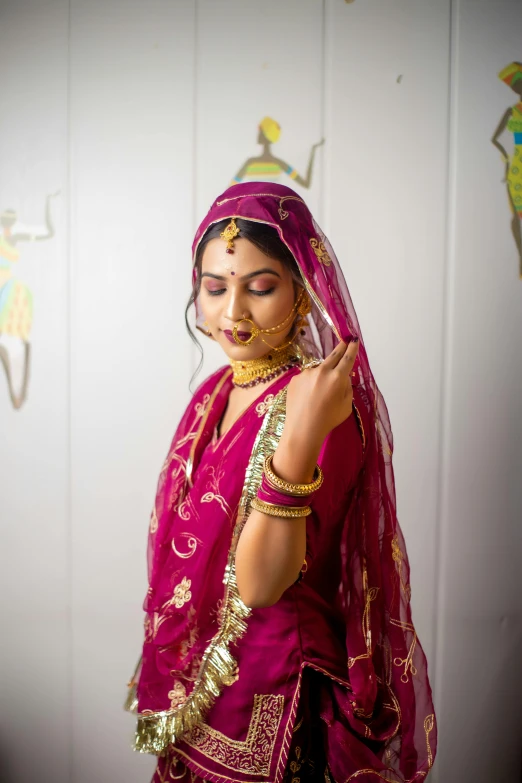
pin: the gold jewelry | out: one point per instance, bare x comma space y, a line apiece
305, 305
273, 510
311, 363
254, 332
297, 490
250, 372
302, 305
207, 331
229, 234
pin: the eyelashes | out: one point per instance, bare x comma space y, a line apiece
221, 291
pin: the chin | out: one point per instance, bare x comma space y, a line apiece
237, 353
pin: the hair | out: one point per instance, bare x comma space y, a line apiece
265, 238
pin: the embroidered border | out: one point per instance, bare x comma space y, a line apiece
252, 755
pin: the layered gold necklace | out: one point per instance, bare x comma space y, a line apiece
250, 372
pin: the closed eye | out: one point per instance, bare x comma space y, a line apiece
261, 293
220, 291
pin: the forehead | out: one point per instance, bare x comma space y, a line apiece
245, 258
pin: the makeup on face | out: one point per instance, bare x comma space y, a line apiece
243, 336
250, 283
256, 284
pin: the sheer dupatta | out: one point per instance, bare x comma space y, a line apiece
386, 663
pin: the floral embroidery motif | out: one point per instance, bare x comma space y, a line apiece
429, 723
409, 666
178, 695
201, 407
192, 543
398, 556
187, 644
178, 478
153, 522
320, 251
184, 511
182, 593
214, 479
295, 766
208, 497
252, 755
153, 627
283, 214
264, 406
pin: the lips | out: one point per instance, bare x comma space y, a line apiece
243, 336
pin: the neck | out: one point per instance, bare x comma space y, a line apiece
250, 372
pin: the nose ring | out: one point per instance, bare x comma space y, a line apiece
254, 332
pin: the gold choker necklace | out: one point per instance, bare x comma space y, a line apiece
250, 372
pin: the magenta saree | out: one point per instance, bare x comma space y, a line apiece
218, 687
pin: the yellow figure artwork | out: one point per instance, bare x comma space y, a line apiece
266, 166
512, 121
16, 299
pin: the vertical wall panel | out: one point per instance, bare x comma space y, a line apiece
479, 681
254, 62
34, 646
385, 190
132, 86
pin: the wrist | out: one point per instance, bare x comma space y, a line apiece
296, 456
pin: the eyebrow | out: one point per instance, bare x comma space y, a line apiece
265, 270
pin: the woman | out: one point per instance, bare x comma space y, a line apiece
266, 166
279, 643
512, 120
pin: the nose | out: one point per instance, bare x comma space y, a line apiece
235, 308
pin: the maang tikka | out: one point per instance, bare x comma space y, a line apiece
229, 234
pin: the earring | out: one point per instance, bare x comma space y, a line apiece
304, 308
305, 305
206, 331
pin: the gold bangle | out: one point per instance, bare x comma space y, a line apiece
298, 490
286, 512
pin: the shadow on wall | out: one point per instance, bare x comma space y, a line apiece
6, 775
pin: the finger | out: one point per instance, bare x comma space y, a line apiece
335, 357
350, 355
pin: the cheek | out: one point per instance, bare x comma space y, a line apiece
210, 306
274, 310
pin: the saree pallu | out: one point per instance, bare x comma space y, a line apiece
247, 733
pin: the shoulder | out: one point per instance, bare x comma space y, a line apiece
211, 383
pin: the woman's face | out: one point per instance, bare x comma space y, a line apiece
245, 284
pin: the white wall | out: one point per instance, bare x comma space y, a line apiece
479, 633
141, 114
